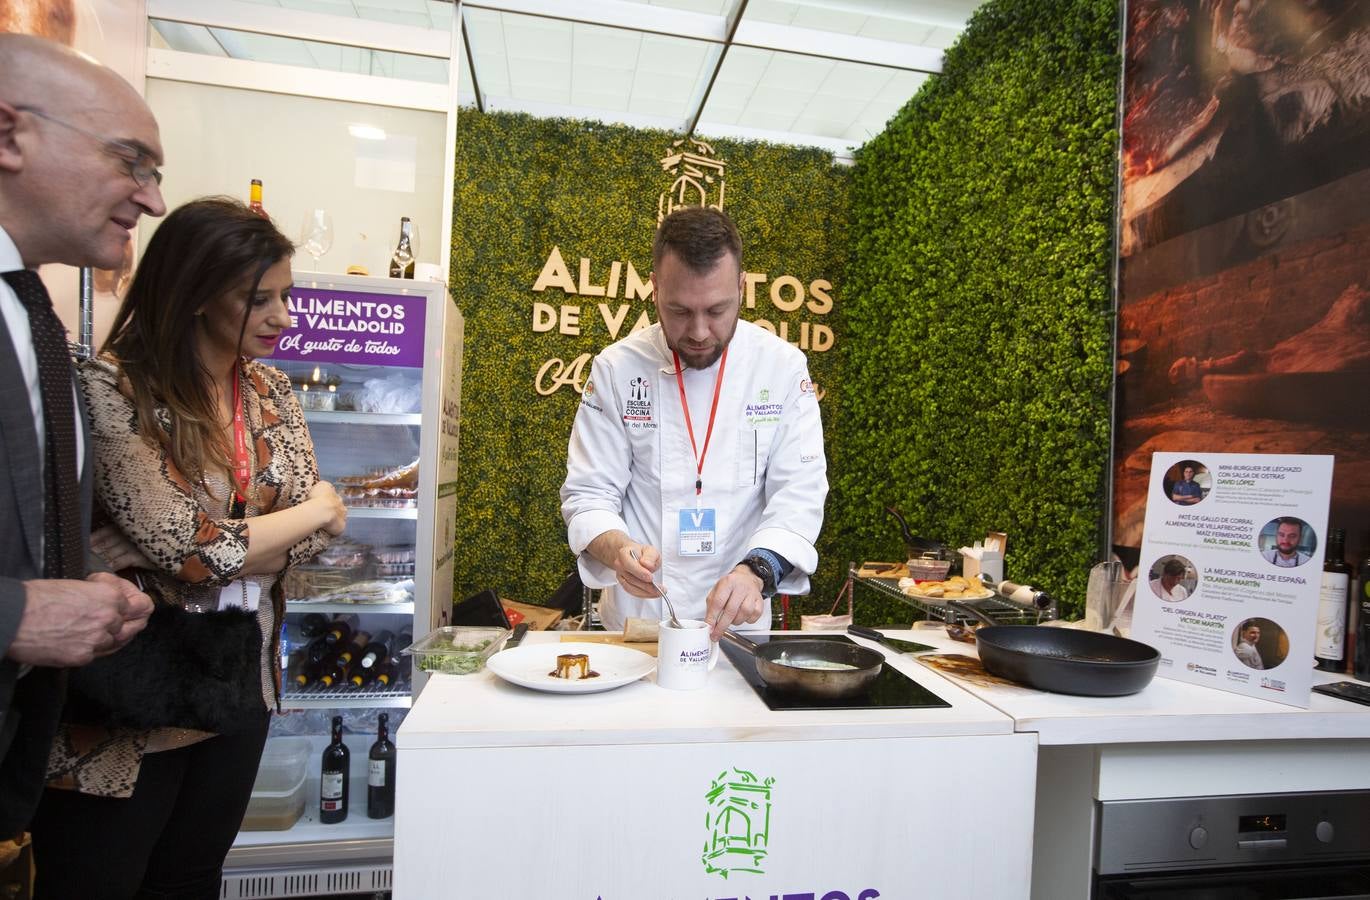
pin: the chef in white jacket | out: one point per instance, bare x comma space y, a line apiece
697, 448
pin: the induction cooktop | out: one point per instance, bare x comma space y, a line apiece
892, 689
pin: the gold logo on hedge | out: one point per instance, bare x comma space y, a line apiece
698, 174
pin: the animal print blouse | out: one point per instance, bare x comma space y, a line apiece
187, 533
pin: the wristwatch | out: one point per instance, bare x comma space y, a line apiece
761, 568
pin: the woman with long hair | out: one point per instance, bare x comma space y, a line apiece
206, 476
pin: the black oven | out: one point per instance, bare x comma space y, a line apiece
1248, 847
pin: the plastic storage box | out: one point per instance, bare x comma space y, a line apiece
278, 793
457, 649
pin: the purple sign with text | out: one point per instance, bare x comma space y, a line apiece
352, 327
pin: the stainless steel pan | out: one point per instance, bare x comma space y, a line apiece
825, 669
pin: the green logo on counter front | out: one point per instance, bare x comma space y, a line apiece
738, 821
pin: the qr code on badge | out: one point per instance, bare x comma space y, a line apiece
706, 546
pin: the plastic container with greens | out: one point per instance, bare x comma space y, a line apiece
457, 649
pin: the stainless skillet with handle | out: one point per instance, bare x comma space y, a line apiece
825, 669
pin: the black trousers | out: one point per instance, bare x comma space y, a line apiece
168, 840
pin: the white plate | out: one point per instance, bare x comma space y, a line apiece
528, 665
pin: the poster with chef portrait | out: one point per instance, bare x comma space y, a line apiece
1233, 599
1244, 244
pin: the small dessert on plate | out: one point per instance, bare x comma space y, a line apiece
573, 666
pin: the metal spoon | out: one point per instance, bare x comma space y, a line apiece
675, 623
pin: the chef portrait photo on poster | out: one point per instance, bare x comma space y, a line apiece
1173, 578
1187, 482
1260, 643
1287, 542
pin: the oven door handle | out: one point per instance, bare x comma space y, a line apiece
1264, 844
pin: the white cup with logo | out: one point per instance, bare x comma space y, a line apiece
684, 656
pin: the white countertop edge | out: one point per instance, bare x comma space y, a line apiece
720, 734
1192, 727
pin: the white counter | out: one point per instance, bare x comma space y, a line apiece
482, 711
1172, 739
644, 793
1164, 711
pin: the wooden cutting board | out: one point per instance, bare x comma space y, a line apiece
967, 668
606, 637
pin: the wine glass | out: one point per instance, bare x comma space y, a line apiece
406, 251
316, 234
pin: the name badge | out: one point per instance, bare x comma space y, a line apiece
697, 532
241, 593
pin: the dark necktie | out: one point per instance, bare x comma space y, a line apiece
63, 556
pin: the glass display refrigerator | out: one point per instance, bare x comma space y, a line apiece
376, 366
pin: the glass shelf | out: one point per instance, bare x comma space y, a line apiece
382, 512
348, 417
347, 698
305, 606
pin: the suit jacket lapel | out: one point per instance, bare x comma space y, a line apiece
21, 447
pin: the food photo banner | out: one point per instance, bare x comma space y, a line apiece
333, 326
1244, 278
1231, 565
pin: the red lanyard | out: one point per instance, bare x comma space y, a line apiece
242, 464
713, 410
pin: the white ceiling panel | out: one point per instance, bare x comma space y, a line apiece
537, 73
672, 56
853, 80
797, 73
829, 73
605, 48
708, 7
529, 38
608, 100
651, 85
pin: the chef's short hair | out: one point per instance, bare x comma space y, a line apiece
1249, 623
698, 236
1173, 567
1289, 520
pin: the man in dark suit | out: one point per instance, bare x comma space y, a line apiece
78, 156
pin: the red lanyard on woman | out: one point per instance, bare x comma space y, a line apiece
242, 463
713, 410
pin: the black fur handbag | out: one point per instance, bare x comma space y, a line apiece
184, 670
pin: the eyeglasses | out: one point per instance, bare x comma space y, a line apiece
141, 167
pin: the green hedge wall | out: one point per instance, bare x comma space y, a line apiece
979, 304
524, 185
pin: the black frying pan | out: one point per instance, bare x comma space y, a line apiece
1063, 660
826, 669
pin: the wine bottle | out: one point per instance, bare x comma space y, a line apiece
254, 202
402, 260
355, 646
373, 656
333, 786
336, 673
1362, 599
313, 625
388, 675
380, 777
315, 660
1329, 648
340, 630
379, 650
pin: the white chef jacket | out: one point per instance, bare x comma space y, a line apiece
630, 466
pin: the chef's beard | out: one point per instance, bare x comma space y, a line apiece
703, 359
